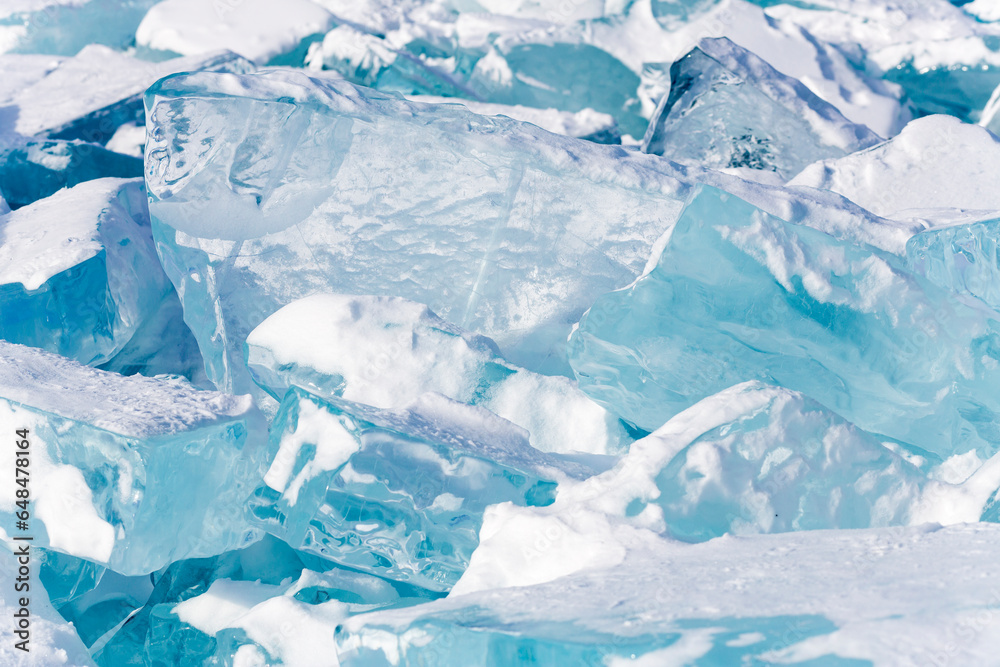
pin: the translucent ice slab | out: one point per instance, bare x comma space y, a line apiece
728, 108
738, 294
751, 459
283, 189
385, 352
397, 493
128, 472
78, 272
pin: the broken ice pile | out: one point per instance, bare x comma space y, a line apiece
781, 327
131, 473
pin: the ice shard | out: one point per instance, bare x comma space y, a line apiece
80, 274
282, 190
738, 294
728, 108
961, 258
91, 597
163, 345
396, 493
128, 472
386, 352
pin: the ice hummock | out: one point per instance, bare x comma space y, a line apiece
78, 271
499, 226
728, 108
387, 351
738, 294
569, 57
129, 472
396, 493
560, 71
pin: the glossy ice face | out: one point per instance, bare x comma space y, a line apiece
399, 494
738, 294
129, 473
